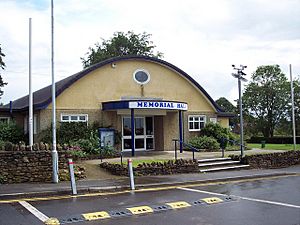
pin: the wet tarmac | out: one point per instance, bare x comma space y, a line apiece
263, 201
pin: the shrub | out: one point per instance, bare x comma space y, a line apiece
66, 133
78, 153
274, 140
89, 145
204, 142
108, 151
218, 132
11, 132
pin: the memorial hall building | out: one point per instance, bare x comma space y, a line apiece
147, 101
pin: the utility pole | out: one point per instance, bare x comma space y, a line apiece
239, 75
30, 114
293, 108
54, 151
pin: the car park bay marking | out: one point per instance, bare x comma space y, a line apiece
34, 211
146, 189
240, 197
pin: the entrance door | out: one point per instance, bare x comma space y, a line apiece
144, 133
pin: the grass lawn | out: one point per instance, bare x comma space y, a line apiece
136, 162
275, 146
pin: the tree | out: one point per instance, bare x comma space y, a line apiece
119, 45
226, 105
2, 66
266, 98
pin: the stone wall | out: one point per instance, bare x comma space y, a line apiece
155, 168
271, 160
32, 166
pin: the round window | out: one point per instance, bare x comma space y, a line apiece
141, 76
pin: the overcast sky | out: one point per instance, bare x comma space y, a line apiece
203, 38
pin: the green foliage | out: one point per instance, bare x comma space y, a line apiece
226, 105
11, 132
266, 99
218, 132
75, 134
78, 153
2, 180
2, 144
108, 151
89, 145
204, 142
67, 133
119, 45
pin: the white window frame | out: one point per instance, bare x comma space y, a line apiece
86, 116
192, 118
5, 118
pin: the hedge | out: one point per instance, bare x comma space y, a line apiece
274, 140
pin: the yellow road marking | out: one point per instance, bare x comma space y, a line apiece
178, 205
213, 200
96, 215
140, 210
141, 190
52, 221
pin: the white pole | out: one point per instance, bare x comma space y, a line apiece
293, 108
130, 170
72, 176
54, 151
30, 117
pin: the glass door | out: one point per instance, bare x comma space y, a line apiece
149, 133
144, 133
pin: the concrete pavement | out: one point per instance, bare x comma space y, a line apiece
14, 191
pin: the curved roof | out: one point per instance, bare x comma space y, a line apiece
42, 98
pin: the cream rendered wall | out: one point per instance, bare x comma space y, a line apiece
110, 84
224, 122
107, 84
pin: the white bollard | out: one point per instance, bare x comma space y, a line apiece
72, 176
130, 170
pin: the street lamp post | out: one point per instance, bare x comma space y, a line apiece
239, 75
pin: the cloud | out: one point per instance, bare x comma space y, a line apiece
203, 38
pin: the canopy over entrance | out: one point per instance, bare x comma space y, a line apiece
144, 104
149, 105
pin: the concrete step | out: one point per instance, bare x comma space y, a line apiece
211, 164
214, 169
213, 160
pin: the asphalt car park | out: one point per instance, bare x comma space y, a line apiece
255, 201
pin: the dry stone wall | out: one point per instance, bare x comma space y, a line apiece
271, 160
31, 166
155, 168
